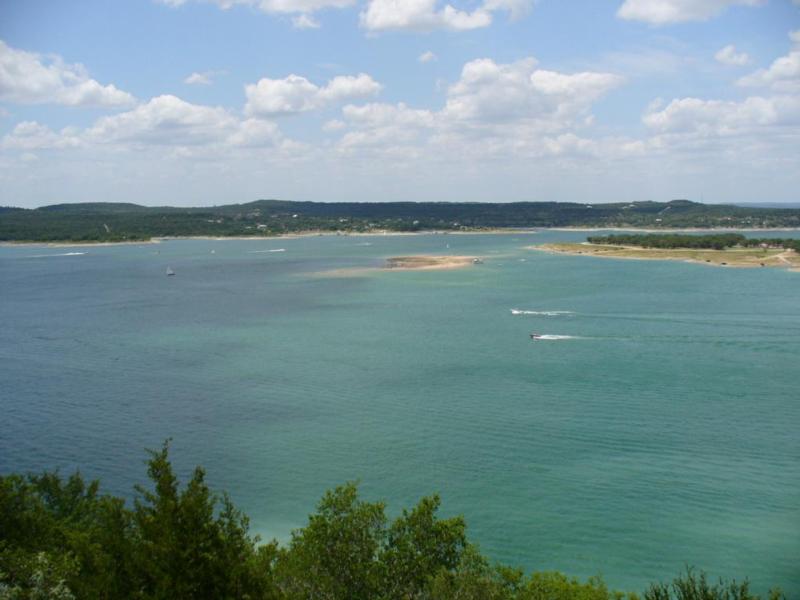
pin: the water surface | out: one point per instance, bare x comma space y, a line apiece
657, 428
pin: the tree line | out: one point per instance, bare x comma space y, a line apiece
112, 222
62, 539
714, 241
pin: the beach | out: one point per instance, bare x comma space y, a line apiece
731, 257
428, 262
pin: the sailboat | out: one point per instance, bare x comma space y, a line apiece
170, 272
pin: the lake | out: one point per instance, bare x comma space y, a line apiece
657, 427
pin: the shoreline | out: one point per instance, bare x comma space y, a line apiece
383, 232
418, 262
282, 236
735, 258
426, 262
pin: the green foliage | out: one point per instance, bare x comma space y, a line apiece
109, 222
62, 539
695, 586
716, 241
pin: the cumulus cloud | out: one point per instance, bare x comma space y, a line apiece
783, 75
271, 6
296, 94
165, 120
30, 135
29, 78
492, 109
729, 56
665, 12
426, 57
429, 15
199, 78
488, 92
724, 118
304, 21
517, 8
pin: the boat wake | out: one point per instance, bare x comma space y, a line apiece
263, 251
549, 337
542, 313
62, 254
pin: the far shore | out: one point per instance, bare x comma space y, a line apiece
383, 232
282, 236
732, 257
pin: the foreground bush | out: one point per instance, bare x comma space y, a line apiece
63, 540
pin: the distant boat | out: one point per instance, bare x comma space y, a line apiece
536, 336
170, 272
477, 261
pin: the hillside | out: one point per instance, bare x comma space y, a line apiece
109, 222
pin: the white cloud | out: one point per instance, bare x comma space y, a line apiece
391, 129
429, 15
710, 118
30, 135
296, 94
783, 75
729, 56
28, 78
420, 15
334, 125
488, 92
305, 21
165, 120
495, 109
664, 12
255, 132
272, 6
199, 78
426, 57
517, 8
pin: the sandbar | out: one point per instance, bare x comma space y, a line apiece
429, 262
731, 257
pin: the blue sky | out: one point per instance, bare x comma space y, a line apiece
197, 102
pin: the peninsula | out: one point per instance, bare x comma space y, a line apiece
727, 250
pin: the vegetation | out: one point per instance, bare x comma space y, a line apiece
63, 539
110, 222
715, 241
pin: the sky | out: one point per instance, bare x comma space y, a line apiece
209, 102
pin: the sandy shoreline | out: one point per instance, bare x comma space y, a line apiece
676, 230
420, 262
382, 232
282, 236
734, 257
428, 262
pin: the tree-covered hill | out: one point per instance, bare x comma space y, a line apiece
100, 221
62, 539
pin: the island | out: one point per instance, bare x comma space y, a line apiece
725, 250
428, 262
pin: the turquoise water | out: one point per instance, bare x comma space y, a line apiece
663, 432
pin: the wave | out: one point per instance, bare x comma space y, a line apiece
62, 254
542, 313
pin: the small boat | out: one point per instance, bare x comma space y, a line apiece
536, 336
170, 272
477, 261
